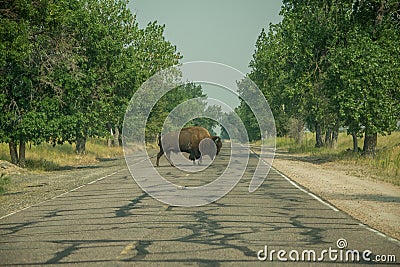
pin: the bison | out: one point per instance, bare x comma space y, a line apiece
189, 140
210, 147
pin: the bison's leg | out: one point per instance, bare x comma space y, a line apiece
167, 155
197, 155
192, 156
159, 156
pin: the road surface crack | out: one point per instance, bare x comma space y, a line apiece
126, 210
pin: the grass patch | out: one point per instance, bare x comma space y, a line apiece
385, 165
4, 180
45, 157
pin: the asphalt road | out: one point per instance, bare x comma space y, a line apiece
112, 222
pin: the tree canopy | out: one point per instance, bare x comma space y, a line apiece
69, 68
332, 64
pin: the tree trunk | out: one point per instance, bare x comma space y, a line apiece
13, 152
299, 137
81, 145
328, 137
296, 129
116, 136
355, 143
318, 135
21, 161
335, 136
370, 141
109, 141
300, 132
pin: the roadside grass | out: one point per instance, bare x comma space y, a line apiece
385, 165
45, 157
4, 180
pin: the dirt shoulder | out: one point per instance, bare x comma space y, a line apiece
28, 188
374, 203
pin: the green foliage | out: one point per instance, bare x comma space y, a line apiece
69, 68
332, 64
210, 124
365, 76
228, 120
167, 103
250, 121
247, 90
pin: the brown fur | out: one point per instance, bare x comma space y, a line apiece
189, 139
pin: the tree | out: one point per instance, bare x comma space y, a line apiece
365, 71
69, 68
101, 30
32, 44
145, 53
270, 75
210, 124
333, 64
166, 105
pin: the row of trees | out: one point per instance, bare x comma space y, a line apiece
331, 64
170, 104
69, 68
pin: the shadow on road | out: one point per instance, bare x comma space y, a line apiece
309, 159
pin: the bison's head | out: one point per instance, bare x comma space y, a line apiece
218, 143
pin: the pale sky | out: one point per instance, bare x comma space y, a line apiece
223, 31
